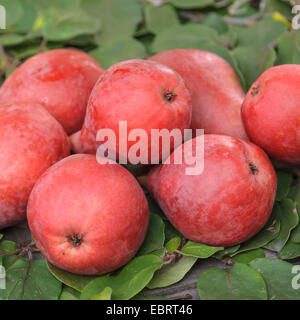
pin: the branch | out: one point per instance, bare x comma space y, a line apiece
244, 21
191, 16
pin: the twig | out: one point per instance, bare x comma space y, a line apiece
293, 32
270, 46
9, 62
236, 5
10, 253
191, 16
30, 258
262, 4
244, 21
43, 45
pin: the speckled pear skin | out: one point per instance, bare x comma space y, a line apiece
225, 205
61, 80
31, 140
86, 217
146, 94
216, 92
271, 113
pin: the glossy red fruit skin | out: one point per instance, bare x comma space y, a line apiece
134, 91
61, 80
102, 204
226, 204
216, 92
271, 113
31, 140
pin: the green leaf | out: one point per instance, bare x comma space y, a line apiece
294, 193
229, 38
159, 252
226, 252
215, 21
75, 281
154, 208
199, 250
146, 41
105, 294
14, 11
82, 41
159, 18
172, 273
1, 236
26, 22
173, 244
253, 61
6, 246
171, 232
284, 181
263, 237
271, 6
291, 250
110, 54
237, 283
183, 36
133, 278
62, 4
261, 33
289, 48
119, 18
295, 234
247, 257
23, 52
11, 39
241, 9
155, 235
278, 277
60, 25
38, 284
192, 4
69, 293
284, 212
